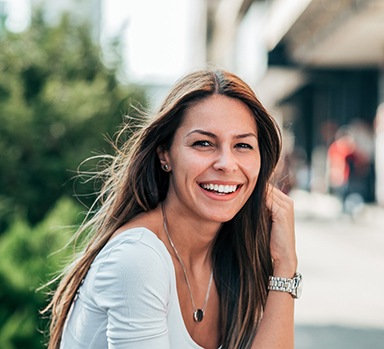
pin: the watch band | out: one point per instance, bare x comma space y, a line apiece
292, 286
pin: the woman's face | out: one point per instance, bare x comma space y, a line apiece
214, 159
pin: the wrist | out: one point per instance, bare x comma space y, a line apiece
285, 269
293, 285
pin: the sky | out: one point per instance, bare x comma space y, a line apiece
155, 36
18, 14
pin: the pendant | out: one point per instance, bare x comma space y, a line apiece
198, 315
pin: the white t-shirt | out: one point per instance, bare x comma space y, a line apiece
128, 299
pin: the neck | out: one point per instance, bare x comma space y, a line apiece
193, 239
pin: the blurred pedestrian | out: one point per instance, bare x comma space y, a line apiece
189, 235
340, 159
350, 166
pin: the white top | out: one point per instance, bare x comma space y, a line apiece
128, 299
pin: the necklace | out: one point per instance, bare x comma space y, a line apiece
198, 313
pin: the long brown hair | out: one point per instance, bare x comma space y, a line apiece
134, 183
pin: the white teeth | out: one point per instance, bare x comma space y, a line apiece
220, 188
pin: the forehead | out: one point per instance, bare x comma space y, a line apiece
220, 113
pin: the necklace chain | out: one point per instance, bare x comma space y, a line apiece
198, 314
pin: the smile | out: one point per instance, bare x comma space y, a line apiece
220, 188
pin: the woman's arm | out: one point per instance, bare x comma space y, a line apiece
276, 330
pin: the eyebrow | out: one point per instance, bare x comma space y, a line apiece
212, 135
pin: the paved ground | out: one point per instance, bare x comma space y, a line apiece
342, 261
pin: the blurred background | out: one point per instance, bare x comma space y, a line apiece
71, 70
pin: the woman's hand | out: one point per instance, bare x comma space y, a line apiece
282, 245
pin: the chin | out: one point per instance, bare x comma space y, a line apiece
221, 217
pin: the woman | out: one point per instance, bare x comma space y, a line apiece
188, 232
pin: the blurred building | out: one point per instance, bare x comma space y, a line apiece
321, 74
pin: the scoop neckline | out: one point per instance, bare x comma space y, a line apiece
186, 333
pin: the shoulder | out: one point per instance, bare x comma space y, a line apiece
133, 248
133, 261
131, 283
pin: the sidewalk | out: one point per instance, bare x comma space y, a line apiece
337, 337
320, 206
341, 258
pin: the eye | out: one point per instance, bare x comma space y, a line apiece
202, 144
244, 146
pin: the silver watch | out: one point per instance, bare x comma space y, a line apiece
293, 286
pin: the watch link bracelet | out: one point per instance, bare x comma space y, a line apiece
293, 286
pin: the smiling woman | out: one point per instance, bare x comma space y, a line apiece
189, 235
214, 159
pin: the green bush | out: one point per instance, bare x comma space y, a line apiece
58, 102
31, 256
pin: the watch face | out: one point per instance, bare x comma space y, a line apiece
299, 285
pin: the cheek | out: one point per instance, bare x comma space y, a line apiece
252, 165
188, 160
252, 170
185, 167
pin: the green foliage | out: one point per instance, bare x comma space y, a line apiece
57, 100
30, 256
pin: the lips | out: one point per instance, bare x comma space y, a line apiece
220, 188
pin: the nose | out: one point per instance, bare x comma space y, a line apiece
226, 161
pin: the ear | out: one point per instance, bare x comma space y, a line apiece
163, 155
